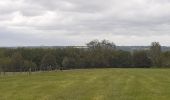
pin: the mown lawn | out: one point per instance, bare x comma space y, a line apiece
92, 84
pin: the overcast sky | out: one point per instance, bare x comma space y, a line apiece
75, 22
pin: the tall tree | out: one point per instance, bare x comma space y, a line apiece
155, 52
17, 62
29, 65
68, 62
166, 59
100, 53
104, 44
141, 59
48, 62
5, 64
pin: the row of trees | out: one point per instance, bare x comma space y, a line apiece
98, 54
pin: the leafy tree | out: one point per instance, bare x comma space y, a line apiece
29, 66
121, 59
17, 62
5, 64
97, 54
155, 53
65, 62
48, 62
105, 44
35, 55
68, 62
1, 53
166, 59
100, 53
141, 59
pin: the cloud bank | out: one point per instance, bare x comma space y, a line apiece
75, 22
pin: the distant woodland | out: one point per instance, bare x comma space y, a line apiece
98, 54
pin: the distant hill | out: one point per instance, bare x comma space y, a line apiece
124, 48
132, 48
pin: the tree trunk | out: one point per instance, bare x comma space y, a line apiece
20, 70
29, 71
4, 73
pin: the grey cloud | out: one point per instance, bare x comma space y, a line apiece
72, 19
8, 38
71, 5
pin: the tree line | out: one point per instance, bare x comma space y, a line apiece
98, 54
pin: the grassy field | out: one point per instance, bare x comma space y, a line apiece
94, 84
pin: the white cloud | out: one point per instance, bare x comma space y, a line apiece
53, 22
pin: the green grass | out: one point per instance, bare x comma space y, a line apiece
92, 84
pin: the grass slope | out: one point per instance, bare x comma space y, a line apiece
94, 84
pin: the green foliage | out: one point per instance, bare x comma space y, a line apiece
68, 63
17, 62
166, 59
29, 65
121, 59
155, 52
1, 53
48, 62
104, 44
5, 64
141, 59
98, 54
